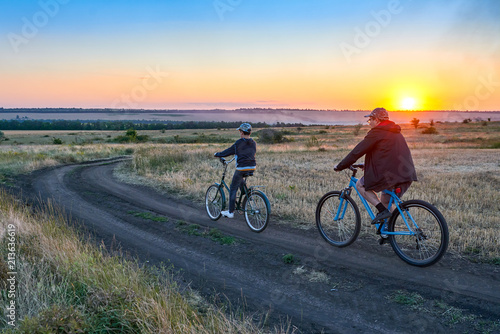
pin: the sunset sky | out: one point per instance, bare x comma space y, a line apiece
204, 54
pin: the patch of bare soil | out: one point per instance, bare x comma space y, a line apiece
363, 288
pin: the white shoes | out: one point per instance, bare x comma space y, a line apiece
227, 214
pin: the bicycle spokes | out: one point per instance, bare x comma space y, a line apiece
420, 233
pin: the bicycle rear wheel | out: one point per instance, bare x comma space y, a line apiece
214, 201
338, 219
426, 238
257, 211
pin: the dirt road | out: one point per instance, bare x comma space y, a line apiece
329, 290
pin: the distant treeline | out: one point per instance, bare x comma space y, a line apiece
125, 125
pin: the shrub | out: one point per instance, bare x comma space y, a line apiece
430, 131
357, 127
270, 136
312, 141
57, 141
131, 136
415, 122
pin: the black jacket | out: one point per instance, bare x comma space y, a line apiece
244, 151
388, 160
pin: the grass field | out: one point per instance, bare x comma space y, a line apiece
84, 289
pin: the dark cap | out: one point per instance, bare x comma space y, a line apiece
379, 113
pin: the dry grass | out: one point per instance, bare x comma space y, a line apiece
66, 286
20, 159
462, 182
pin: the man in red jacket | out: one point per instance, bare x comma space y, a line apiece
388, 162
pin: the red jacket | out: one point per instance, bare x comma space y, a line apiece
388, 160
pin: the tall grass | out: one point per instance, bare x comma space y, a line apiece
67, 286
24, 159
463, 184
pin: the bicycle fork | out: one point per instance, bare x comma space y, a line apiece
341, 209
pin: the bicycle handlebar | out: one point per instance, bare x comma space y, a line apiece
224, 161
355, 167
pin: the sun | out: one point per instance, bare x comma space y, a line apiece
408, 103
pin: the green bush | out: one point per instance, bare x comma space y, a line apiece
131, 136
430, 131
57, 141
270, 136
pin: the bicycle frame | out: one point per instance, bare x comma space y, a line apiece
223, 184
394, 200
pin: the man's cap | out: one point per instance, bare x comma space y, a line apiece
379, 113
245, 127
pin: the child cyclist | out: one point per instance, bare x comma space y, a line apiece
244, 150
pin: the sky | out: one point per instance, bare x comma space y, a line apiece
207, 54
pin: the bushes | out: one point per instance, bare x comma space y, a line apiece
430, 131
131, 136
270, 136
57, 141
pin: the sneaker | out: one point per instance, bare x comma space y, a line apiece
227, 214
381, 216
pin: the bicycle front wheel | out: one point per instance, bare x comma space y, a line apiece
338, 219
424, 233
257, 211
214, 201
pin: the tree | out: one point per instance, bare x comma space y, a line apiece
415, 122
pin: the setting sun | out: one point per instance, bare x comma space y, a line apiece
408, 103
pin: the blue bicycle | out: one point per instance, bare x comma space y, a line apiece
417, 231
251, 202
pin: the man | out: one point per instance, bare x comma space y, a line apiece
244, 150
388, 162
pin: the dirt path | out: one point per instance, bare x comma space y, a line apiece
251, 273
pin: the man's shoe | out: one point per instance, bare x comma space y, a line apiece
383, 239
227, 214
381, 216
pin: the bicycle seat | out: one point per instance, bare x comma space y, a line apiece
246, 174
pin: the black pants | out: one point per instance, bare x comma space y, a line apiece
237, 182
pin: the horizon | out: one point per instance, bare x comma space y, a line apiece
248, 109
233, 54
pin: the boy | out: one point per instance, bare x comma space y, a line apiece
244, 150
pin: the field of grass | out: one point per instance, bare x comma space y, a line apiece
74, 286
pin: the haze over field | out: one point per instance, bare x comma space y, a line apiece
306, 117
318, 54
